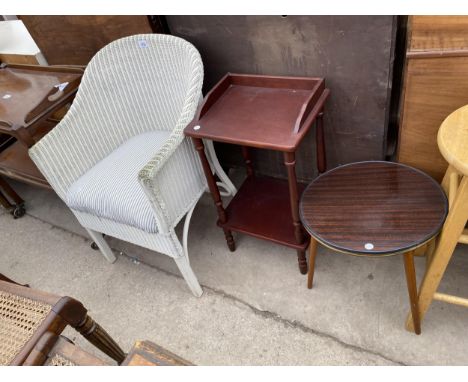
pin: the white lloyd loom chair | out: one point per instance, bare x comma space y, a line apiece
119, 158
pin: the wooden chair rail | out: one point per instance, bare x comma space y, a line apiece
451, 299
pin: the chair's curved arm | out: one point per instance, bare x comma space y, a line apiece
173, 180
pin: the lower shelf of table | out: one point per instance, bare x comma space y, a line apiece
261, 208
15, 162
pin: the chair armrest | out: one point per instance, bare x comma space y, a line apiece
173, 180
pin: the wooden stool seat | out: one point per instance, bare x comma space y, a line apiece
452, 139
374, 209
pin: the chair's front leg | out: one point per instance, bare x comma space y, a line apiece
188, 275
95, 334
102, 245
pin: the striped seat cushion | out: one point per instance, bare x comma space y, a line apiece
111, 189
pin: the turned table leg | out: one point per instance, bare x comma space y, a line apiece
320, 144
312, 255
214, 191
290, 162
412, 290
4, 202
247, 160
8, 190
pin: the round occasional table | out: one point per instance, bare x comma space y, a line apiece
374, 209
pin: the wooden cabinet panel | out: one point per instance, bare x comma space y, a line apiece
435, 84
434, 88
18, 59
439, 32
73, 40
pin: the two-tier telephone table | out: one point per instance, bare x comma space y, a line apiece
263, 112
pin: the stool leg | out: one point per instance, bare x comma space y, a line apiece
446, 181
447, 242
312, 255
431, 246
412, 290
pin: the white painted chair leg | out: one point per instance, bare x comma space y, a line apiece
184, 262
189, 276
185, 233
225, 181
102, 244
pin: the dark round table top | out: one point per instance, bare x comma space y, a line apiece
373, 208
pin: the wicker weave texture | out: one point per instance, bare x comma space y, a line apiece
134, 85
19, 319
58, 360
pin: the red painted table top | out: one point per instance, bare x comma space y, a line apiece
259, 111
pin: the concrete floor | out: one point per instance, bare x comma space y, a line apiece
256, 309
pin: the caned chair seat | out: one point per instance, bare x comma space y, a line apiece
31, 322
452, 139
19, 319
111, 189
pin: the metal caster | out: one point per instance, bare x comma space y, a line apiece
18, 211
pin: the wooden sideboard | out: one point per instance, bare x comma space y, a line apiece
435, 84
74, 40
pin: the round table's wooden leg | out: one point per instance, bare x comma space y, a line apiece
412, 290
4, 202
312, 255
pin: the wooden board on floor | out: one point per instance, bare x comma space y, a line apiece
147, 353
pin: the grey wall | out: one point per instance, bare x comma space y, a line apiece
353, 53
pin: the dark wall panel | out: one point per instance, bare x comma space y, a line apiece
353, 53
